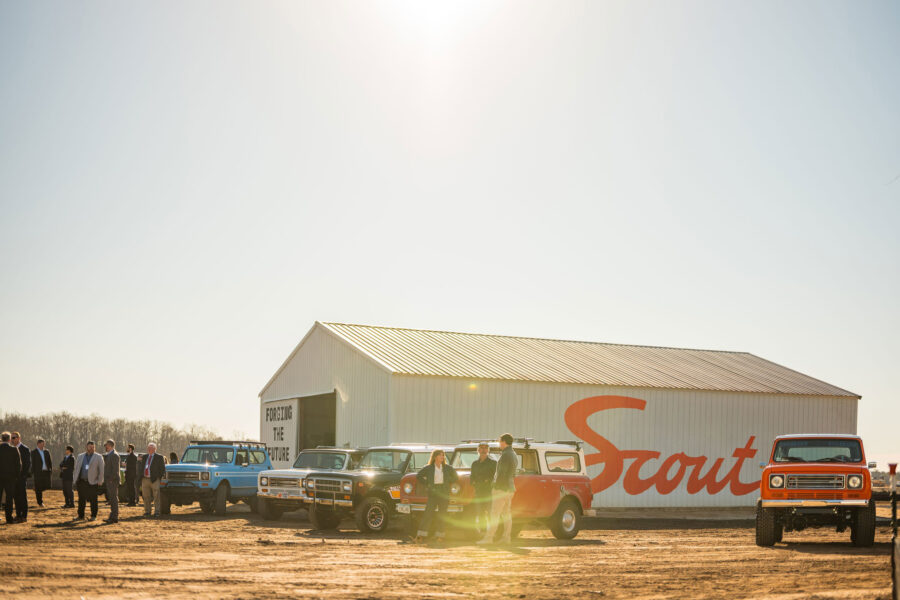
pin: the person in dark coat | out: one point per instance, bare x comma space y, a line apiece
131, 461
42, 466
504, 490
66, 472
482, 479
111, 464
438, 478
10, 469
21, 497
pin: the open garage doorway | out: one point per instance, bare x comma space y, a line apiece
317, 424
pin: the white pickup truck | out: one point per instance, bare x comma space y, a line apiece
283, 490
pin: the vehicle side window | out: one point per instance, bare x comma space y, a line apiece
563, 462
242, 457
257, 457
528, 462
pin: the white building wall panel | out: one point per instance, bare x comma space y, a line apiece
324, 363
679, 425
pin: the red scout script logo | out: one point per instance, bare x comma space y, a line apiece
613, 458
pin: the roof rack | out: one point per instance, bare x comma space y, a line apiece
413, 444
227, 443
576, 443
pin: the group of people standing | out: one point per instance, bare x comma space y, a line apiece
88, 473
494, 485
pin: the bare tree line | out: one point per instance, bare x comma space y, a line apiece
62, 428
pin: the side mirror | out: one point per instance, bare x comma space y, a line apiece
872, 465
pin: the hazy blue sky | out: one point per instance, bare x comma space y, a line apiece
185, 187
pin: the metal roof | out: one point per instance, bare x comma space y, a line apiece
480, 356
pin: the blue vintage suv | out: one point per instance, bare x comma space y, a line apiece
214, 474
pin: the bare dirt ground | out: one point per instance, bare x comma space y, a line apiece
191, 555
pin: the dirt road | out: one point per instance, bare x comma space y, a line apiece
191, 555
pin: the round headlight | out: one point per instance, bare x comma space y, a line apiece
204, 475
408, 488
310, 484
776, 481
454, 489
854, 482
263, 481
347, 487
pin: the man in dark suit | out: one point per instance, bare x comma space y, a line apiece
111, 464
10, 468
43, 468
130, 476
66, 473
21, 493
152, 470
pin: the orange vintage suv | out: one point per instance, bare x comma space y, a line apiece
816, 480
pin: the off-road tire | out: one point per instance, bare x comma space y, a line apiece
267, 510
221, 500
863, 527
566, 521
373, 515
766, 534
165, 503
207, 507
323, 519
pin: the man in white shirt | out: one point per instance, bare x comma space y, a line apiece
152, 470
42, 467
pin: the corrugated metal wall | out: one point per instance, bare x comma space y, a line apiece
696, 423
324, 363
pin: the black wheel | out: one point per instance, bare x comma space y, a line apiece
863, 526
267, 510
207, 506
323, 518
372, 515
765, 526
566, 521
221, 498
165, 503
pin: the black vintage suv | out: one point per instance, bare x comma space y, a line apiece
370, 492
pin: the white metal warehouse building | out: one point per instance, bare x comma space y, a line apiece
661, 426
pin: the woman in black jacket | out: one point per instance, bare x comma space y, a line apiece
438, 477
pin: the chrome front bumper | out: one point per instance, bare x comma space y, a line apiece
811, 503
282, 494
330, 502
406, 508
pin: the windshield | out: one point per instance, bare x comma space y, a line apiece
208, 455
463, 459
320, 460
818, 450
387, 460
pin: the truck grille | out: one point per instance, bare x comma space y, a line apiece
284, 481
183, 476
815, 482
328, 485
